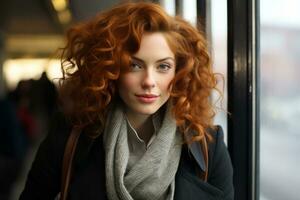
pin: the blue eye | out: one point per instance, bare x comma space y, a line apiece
135, 67
164, 67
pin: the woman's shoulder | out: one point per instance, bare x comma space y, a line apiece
59, 130
58, 136
217, 149
55, 139
220, 172
217, 133
59, 122
219, 184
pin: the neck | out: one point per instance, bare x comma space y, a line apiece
142, 124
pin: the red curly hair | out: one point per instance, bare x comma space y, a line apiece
98, 50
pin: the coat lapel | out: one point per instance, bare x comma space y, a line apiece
196, 150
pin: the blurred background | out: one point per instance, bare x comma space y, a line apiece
280, 99
32, 31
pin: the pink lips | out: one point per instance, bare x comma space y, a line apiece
146, 98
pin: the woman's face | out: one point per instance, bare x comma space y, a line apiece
145, 87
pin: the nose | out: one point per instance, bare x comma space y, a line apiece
148, 80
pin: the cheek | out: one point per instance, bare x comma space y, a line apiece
165, 87
165, 83
126, 83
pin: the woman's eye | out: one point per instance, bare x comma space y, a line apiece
164, 67
135, 66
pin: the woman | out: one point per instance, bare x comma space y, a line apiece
137, 84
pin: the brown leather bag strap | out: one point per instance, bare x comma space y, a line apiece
67, 161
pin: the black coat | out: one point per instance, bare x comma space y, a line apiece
88, 180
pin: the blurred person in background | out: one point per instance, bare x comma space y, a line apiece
44, 100
136, 120
22, 97
12, 146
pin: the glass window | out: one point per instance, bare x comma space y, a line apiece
219, 54
280, 100
169, 6
188, 10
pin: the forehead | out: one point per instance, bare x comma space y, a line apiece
154, 46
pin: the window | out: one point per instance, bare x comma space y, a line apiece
280, 100
218, 9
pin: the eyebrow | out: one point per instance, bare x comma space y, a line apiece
160, 60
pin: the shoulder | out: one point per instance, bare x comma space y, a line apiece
217, 145
58, 133
217, 149
53, 144
220, 174
58, 136
220, 170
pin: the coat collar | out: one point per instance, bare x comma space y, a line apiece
196, 150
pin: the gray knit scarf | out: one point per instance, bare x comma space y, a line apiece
153, 176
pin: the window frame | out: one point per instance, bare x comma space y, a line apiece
243, 96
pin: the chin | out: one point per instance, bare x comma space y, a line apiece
145, 111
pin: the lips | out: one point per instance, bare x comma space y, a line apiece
147, 95
146, 98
